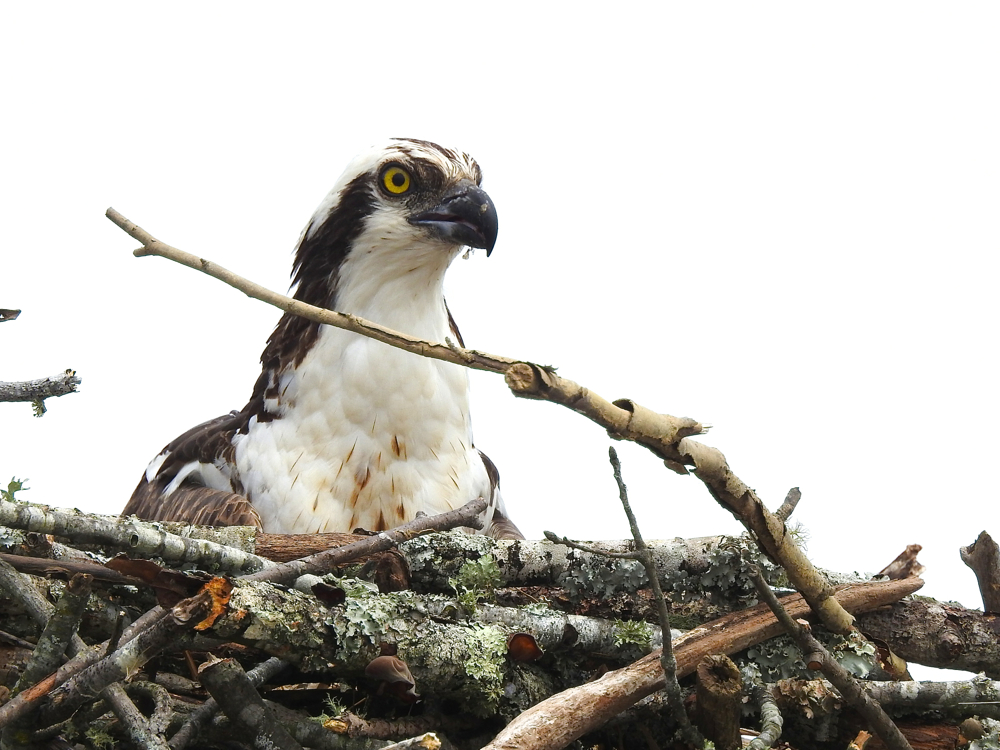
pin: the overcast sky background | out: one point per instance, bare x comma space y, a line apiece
777, 218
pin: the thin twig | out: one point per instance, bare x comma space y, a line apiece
688, 733
770, 716
467, 516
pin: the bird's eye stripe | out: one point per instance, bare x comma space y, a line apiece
396, 180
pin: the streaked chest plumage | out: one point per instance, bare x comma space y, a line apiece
364, 436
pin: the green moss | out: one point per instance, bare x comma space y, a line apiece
634, 632
476, 579
13, 487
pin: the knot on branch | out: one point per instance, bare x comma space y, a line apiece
529, 381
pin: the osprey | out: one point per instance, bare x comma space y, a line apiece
341, 431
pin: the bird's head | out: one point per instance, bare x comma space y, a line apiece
402, 205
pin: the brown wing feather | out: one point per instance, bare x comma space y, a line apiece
502, 527
193, 504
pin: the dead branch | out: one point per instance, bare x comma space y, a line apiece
466, 516
204, 713
666, 436
983, 556
788, 506
938, 634
719, 694
145, 733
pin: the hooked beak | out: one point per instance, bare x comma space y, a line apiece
465, 216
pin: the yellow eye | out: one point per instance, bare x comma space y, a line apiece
396, 180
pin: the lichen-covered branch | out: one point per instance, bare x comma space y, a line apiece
140, 538
58, 634
69, 696
771, 721
846, 684
203, 714
40, 389
144, 733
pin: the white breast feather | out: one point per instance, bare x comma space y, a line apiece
367, 434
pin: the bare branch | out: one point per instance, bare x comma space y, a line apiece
666, 436
983, 556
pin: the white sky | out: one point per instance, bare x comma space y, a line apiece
777, 218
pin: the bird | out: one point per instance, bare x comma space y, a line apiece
342, 432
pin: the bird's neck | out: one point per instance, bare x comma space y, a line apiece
398, 286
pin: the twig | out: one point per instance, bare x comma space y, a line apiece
881, 724
770, 716
322, 562
126, 659
239, 700
138, 727
983, 556
686, 730
28, 699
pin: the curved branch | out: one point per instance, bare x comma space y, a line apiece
666, 436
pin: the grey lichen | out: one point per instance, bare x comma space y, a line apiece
779, 658
368, 618
487, 648
436, 558
989, 741
282, 622
593, 575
